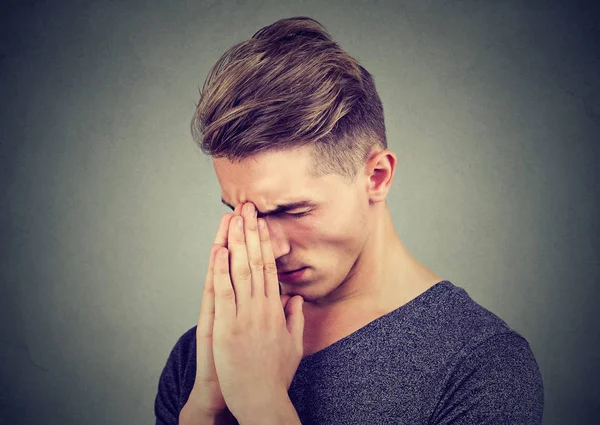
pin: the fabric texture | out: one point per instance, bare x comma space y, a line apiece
440, 359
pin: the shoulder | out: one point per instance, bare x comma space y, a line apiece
459, 320
489, 371
496, 380
458, 333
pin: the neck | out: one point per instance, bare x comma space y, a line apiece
384, 276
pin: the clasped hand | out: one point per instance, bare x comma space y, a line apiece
257, 344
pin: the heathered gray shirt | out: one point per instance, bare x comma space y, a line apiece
439, 359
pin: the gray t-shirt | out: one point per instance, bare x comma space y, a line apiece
439, 359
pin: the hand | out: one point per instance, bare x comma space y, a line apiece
206, 399
257, 345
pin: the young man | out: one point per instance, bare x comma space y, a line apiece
290, 119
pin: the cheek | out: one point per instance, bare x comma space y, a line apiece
308, 233
322, 231
305, 232
330, 237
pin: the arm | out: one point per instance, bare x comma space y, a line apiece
499, 382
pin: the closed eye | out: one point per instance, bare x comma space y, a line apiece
295, 216
299, 214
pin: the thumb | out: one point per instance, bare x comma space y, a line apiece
284, 300
295, 320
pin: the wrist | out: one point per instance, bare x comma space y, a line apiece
278, 411
192, 415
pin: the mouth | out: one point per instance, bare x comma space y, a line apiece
290, 271
292, 275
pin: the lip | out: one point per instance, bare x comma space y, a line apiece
292, 276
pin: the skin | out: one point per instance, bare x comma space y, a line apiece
358, 269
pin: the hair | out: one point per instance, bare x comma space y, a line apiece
291, 85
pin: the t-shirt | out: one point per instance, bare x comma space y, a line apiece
439, 359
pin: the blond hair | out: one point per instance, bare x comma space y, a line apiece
288, 86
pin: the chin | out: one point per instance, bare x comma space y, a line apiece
307, 296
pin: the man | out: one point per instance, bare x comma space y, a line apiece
290, 118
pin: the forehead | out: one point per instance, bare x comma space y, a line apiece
268, 177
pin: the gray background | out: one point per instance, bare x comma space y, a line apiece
108, 209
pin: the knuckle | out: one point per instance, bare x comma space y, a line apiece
214, 248
236, 237
257, 269
257, 264
227, 294
270, 267
244, 273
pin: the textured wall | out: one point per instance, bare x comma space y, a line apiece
108, 209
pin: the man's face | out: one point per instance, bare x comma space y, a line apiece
327, 240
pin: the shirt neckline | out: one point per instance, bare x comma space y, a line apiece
421, 298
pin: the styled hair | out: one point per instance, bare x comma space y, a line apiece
288, 86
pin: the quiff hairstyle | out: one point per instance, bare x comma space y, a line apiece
288, 86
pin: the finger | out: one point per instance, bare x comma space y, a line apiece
241, 276
237, 212
272, 289
238, 209
254, 253
221, 238
284, 300
223, 232
295, 321
204, 369
225, 297
207, 306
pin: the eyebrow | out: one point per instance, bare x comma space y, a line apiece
279, 209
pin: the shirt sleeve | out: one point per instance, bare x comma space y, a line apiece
168, 401
165, 403
499, 382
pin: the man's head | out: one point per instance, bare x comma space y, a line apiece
337, 222
289, 116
